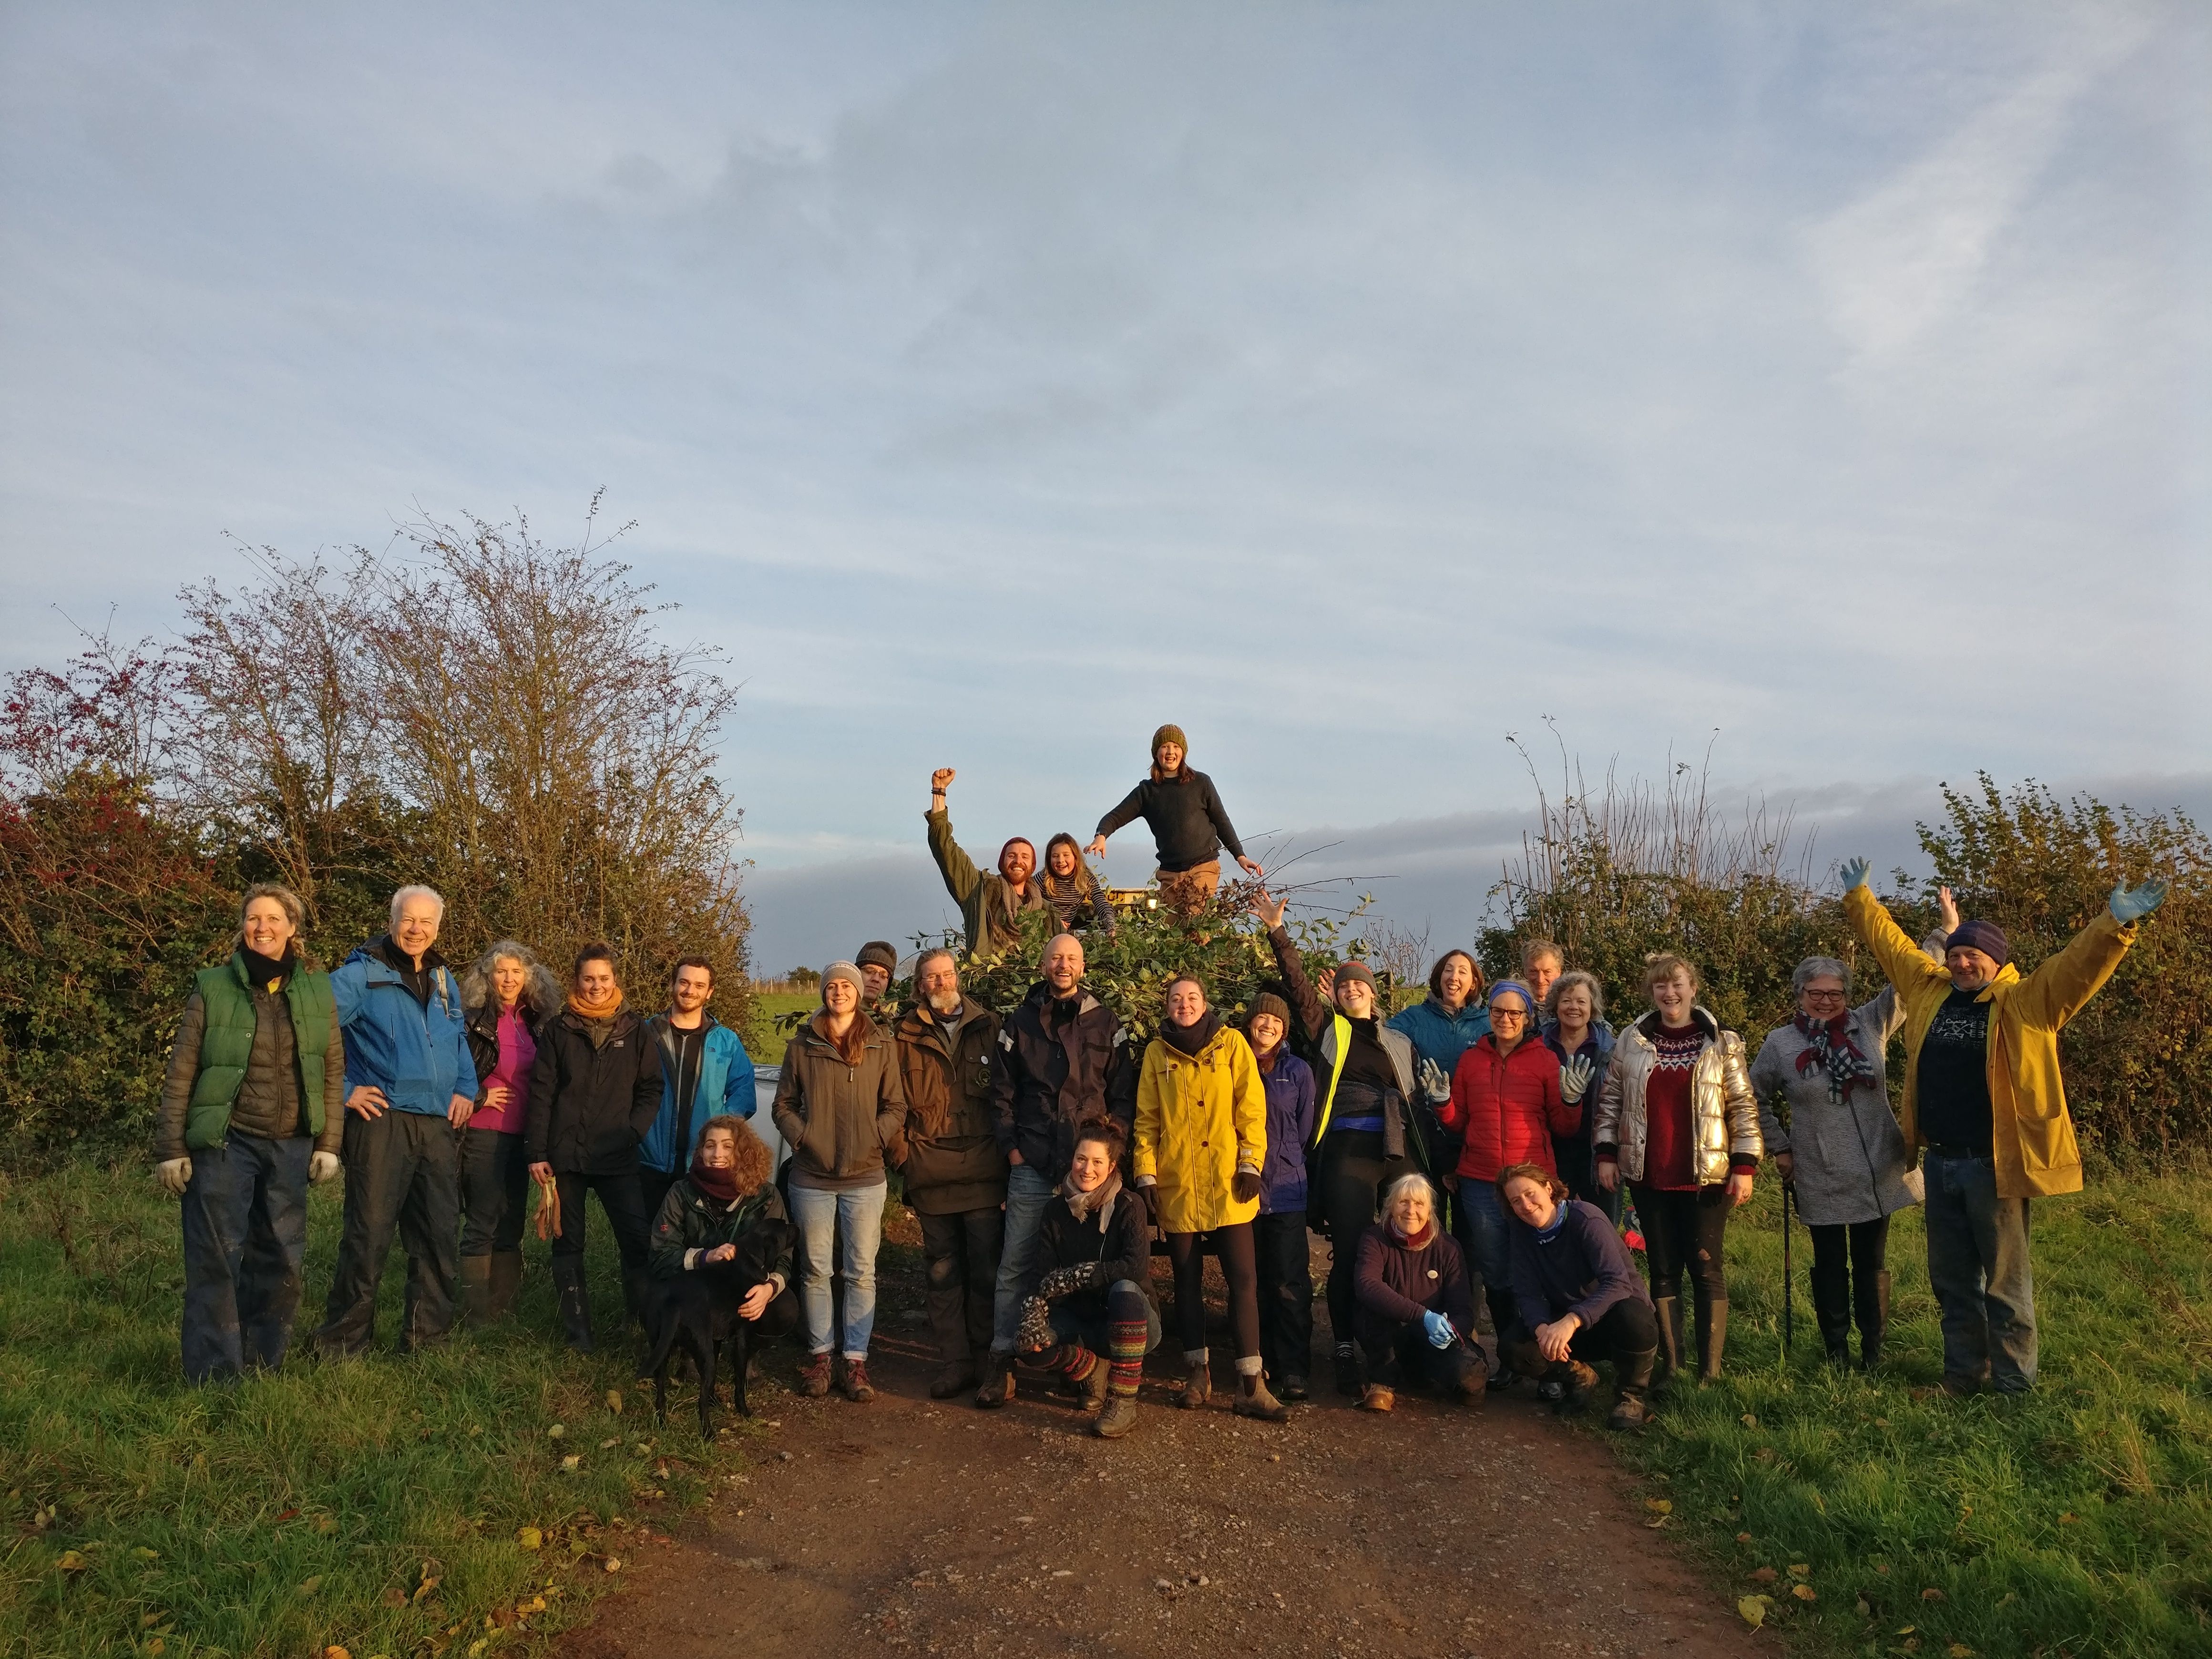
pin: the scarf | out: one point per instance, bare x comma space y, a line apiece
598, 1017
1829, 1047
272, 973
1544, 1235
1418, 1240
721, 1185
1099, 1198
1190, 1040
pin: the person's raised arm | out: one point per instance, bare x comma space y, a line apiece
2062, 985
1903, 962
961, 876
1132, 807
1312, 1014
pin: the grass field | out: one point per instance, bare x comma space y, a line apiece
379, 1504
762, 1040
2075, 1521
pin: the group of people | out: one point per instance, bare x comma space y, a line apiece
1481, 1139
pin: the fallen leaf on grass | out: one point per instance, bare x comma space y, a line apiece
614, 1401
1743, 1538
1960, 1651
1659, 1505
1765, 1575
1800, 1569
1805, 1592
1752, 1610
614, 1564
1750, 1421
571, 1461
72, 1561
1864, 1610
428, 1587
309, 1586
289, 1515
556, 1431
145, 1554
393, 1596
616, 1441
530, 1538
1931, 1593
334, 1651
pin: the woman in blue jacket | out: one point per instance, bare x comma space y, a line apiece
1285, 1274
1452, 1019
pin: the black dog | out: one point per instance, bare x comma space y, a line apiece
699, 1311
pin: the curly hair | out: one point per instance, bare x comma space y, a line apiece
751, 1168
542, 990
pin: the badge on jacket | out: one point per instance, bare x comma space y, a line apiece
1432, 1273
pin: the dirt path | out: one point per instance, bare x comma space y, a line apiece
914, 1526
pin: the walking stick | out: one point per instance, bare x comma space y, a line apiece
1787, 1312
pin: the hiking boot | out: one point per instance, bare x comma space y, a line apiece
855, 1385
1294, 1388
1632, 1371
1198, 1385
1504, 1377
1960, 1386
1119, 1417
1376, 1398
1092, 1390
814, 1377
1347, 1371
1253, 1399
1581, 1379
997, 1382
956, 1378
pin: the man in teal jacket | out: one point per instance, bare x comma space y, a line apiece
409, 1084
705, 1072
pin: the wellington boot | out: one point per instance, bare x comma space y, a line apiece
1712, 1338
1870, 1341
1670, 1309
476, 1290
1254, 1399
506, 1281
1631, 1407
575, 1302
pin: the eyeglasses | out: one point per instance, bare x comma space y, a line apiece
1821, 996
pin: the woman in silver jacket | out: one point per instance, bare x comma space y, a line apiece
1842, 1152
1677, 1121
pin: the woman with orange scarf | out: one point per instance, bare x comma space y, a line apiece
594, 1090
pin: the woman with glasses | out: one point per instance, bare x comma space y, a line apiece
1842, 1151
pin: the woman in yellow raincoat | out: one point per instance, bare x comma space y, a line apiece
1200, 1141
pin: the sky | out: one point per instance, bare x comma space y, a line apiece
1824, 389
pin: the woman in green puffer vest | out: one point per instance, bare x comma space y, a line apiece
252, 1111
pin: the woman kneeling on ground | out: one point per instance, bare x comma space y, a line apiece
729, 1190
1577, 1295
1201, 1137
1091, 1318
1416, 1318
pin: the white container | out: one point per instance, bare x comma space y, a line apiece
763, 1117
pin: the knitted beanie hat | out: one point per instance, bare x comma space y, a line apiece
1170, 734
846, 971
1984, 936
879, 953
1354, 970
1268, 1003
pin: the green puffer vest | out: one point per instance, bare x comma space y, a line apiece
227, 1045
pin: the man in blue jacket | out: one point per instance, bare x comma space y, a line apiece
410, 1084
705, 1072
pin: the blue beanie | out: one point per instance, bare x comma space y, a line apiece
1984, 936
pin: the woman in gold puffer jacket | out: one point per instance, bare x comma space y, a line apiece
1678, 1120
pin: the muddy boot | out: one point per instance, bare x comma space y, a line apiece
1117, 1418
1631, 1406
1093, 1384
476, 1291
855, 1385
575, 1302
1347, 1371
1255, 1400
506, 1281
1197, 1383
1870, 1339
1376, 1398
956, 1377
1294, 1387
1670, 1309
1712, 1337
997, 1382
814, 1377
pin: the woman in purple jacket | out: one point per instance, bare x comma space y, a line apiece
1280, 1233
1416, 1318
1578, 1296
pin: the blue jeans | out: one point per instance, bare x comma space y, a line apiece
1028, 1195
1489, 1248
1978, 1268
245, 1231
820, 1216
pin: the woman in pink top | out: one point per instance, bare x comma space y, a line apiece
504, 996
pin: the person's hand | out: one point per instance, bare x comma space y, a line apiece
321, 1167
1251, 866
458, 1110
1450, 1179
496, 1096
1553, 1340
1739, 1187
542, 1173
1946, 910
756, 1301
720, 1253
1441, 1334
1097, 847
1609, 1175
1434, 1084
367, 1102
1014, 1157
1854, 872
1269, 908
1244, 1186
1575, 1078
2134, 905
940, 780
175, 1174
1786, 1165
1325, 985
1148, 1195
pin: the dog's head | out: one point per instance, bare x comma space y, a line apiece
765, 1242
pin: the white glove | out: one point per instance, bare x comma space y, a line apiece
175, 1175
1434, 1084
321, 1166
1574, 1079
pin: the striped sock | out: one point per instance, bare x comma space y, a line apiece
1126, 1343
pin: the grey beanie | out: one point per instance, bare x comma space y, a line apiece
1353, 968
850, 973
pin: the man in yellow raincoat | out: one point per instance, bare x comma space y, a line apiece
1984, 1099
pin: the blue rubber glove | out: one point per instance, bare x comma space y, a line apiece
2133, 906
1854, 872
1441, 1334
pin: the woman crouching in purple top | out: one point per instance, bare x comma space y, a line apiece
1579, 1297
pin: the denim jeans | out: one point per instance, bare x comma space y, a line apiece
1488, 1247
822, 1217
245, 1231
1028, 1195
1978, 1268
